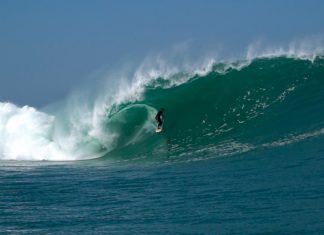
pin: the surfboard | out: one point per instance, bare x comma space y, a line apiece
158, 130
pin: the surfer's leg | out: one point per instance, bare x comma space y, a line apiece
159, 123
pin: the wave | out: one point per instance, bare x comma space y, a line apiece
212, 109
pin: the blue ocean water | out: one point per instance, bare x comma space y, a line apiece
241, 152
277, 191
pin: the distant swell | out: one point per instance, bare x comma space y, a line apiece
228, 109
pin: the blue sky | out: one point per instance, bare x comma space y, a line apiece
49, 47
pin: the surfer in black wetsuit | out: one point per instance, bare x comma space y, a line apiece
159, 118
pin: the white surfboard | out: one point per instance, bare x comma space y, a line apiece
158, 130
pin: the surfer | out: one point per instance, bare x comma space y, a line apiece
159, 118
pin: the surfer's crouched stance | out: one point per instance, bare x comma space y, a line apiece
159, 118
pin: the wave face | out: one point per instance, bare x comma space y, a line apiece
229, 109
268, 103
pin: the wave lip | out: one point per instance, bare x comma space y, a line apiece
301, 49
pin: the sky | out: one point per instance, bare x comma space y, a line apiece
49, 47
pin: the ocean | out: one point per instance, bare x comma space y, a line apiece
241, 152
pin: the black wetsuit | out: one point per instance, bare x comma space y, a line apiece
159, 118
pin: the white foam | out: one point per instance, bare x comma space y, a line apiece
25, 134
29, 134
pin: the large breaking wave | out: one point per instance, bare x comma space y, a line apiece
214, 109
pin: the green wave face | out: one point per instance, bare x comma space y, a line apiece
232, 109
268, 103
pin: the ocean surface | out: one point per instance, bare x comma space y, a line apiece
241, 152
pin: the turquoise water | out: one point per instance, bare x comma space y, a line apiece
241, 153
